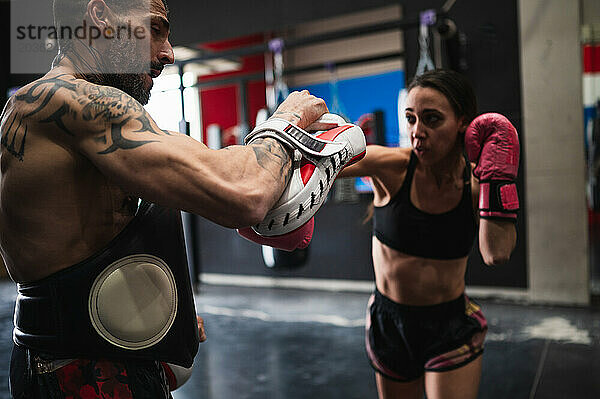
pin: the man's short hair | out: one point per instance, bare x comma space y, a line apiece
70, 13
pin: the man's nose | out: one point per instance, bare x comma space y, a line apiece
165, 53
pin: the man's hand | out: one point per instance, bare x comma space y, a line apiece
201, 332
301, 108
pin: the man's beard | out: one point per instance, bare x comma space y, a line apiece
121, 55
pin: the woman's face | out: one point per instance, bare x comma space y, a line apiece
432, 124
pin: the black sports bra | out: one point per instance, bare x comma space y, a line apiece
449, 235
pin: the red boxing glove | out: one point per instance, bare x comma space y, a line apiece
297, 239
492, 142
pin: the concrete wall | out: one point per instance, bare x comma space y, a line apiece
590, 12
553, 141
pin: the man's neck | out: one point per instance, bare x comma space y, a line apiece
82, 61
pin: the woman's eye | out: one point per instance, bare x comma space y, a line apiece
432, 119
410, 118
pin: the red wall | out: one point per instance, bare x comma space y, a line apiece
219, 103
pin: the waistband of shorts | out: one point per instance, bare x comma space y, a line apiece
441, 310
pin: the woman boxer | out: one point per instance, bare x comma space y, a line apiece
423, 332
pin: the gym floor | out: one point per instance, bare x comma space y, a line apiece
268, 343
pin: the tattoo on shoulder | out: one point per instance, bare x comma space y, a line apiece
44, 89
13, 136
14, 125
120, 142
110, 104
95, 103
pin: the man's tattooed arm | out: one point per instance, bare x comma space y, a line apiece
114, 132
272, 156
74, 105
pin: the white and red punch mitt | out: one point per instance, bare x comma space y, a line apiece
320, 153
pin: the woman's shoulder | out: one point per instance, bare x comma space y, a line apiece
391, 169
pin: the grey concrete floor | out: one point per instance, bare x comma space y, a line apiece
268, 343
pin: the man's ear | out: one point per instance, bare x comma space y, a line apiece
97, 12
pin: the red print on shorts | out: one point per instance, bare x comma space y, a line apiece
89, 379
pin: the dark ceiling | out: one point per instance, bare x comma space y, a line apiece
203, 21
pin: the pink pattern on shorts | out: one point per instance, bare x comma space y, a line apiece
467, 351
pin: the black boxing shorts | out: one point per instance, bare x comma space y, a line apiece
35, 376
403, 342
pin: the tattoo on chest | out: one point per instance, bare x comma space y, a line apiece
85, 102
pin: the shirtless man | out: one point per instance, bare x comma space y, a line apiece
90, 228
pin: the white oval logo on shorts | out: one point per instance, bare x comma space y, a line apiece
133, 302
